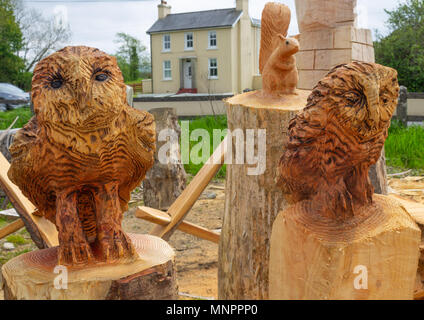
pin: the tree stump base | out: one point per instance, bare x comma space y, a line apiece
371, 256
152, 276
253, 200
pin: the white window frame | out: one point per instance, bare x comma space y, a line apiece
165, 69
210, 34
187, 48
210, 68
164, 42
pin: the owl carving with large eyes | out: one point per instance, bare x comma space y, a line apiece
337, 137
82, 153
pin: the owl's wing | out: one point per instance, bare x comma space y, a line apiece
306, 128
275, 20
143, 145
146, 129
24, 139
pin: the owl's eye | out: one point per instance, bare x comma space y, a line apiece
101, 77
56, 84
352, 97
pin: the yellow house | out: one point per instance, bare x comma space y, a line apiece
214, 51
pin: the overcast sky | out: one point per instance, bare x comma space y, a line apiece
95, 23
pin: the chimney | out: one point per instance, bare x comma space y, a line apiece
163, 9
243, 5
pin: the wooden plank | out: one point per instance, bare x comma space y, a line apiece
179, 209
11, 227
161, 218
9, 213
415, 209
25, 208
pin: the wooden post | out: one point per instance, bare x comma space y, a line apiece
402, 109
373, 256
378, 175
165, 181
36, 276
252, 201
252, 198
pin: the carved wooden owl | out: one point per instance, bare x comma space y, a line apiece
83, 152
338, 136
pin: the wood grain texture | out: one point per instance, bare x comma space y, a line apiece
336, 223
82, 153
11, 228
252, 201
314, 257
275, 20
337, 137
165, 181
152, 275
277, 62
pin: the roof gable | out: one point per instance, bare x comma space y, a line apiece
196, 20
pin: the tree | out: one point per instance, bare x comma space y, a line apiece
403, 48
131, 56
41, 35
10, 43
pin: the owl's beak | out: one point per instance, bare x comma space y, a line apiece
372, 92
374, 107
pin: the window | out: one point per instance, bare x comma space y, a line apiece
212, 40
213, 69
167, 74
166, 42
188, 41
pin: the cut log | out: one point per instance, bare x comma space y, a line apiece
416, 210
402, 108
374, 255
32, 276
165, 181
253, 201
378, 175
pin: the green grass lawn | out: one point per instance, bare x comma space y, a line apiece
209, 123
405, 146
6, 118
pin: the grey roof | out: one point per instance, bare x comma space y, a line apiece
196, 20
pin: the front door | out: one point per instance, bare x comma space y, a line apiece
187, 69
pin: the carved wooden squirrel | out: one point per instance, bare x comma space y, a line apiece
277, 62
280, 73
